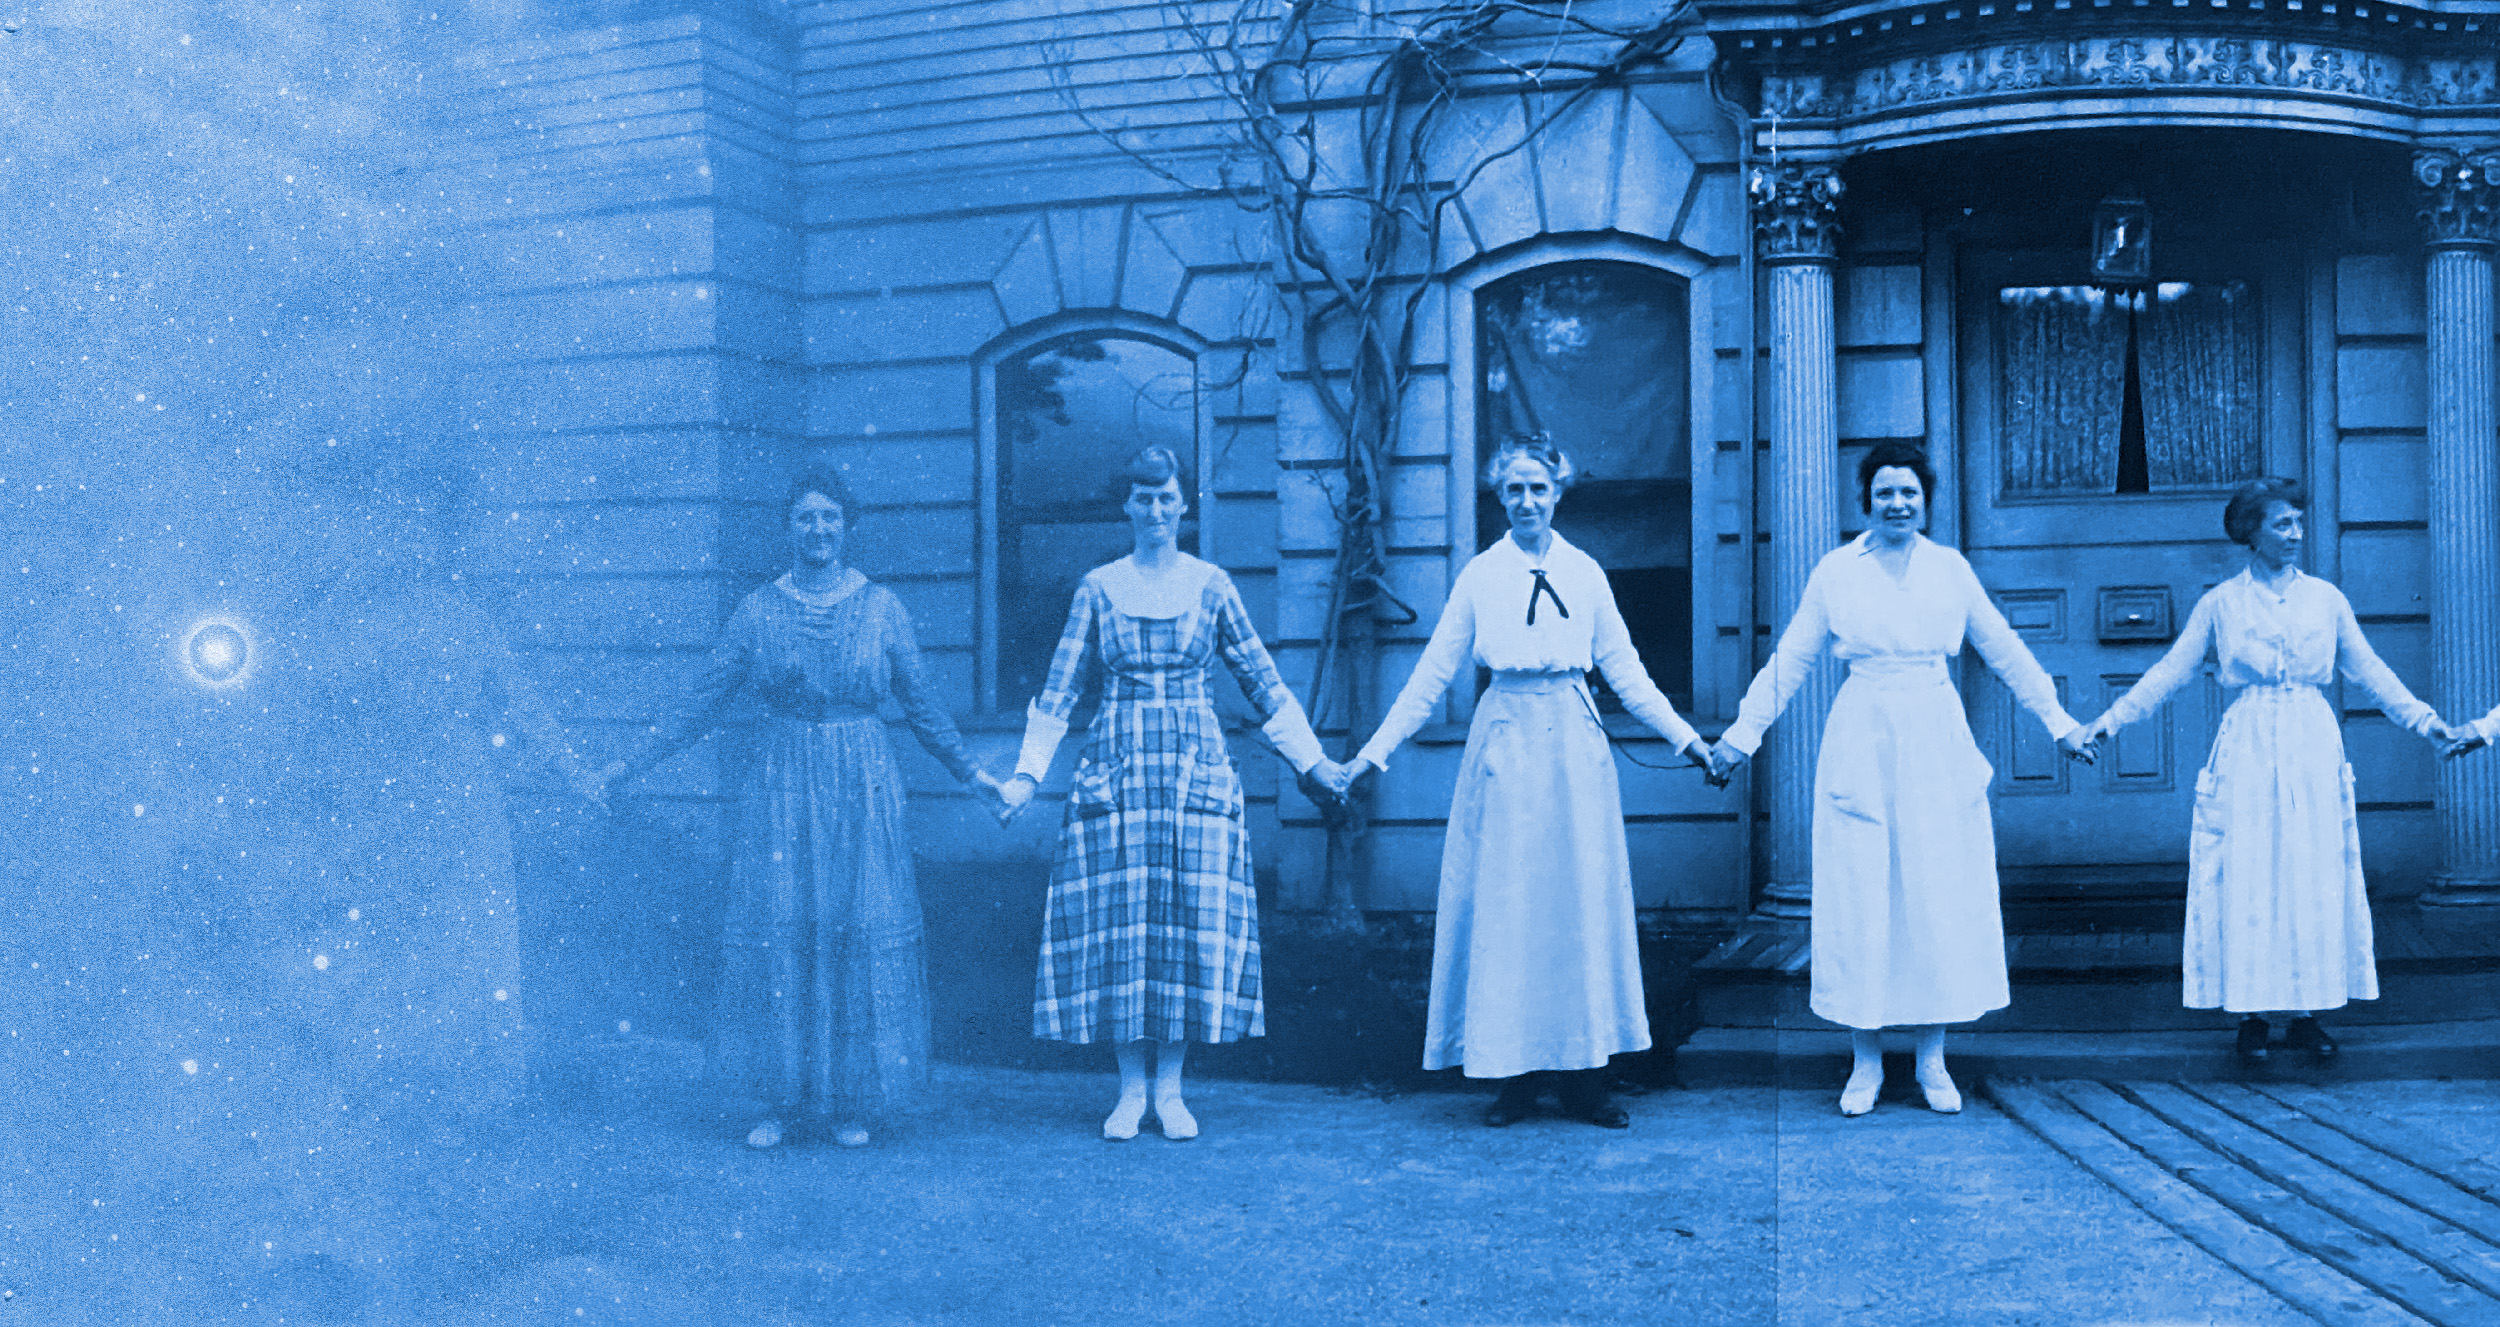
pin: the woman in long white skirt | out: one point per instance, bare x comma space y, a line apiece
1536, 967
1906, 928
2277, 916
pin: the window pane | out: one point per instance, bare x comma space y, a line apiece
1596, 356
2200, 363
1071, 412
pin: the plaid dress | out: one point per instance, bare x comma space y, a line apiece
1152, 928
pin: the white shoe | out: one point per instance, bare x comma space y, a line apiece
1858, 1096
1178, 1124
767, 1134
851, 1135
1121, 1125
1942, 1096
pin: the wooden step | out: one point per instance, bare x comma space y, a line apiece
1726, 1056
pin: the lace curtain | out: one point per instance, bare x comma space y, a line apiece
2063, 369
2062, 374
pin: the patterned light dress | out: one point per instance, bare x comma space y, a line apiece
1906, 927
1152, 927
2277, 914
823, 1006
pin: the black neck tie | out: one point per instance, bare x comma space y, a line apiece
1543, 589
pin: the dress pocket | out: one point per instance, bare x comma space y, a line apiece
1096, 789
1212, 789
2206, 823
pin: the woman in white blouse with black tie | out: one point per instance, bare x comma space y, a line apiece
1906, 929
1535, 965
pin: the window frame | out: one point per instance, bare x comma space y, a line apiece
1697, 271
988, 466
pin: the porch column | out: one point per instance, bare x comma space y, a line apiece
1796, 224
2461, 212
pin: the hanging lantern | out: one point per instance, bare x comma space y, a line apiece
2122, 242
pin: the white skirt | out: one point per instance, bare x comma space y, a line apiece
1906, 927
1535, 961
2277, 914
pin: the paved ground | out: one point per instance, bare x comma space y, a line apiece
1300, 1204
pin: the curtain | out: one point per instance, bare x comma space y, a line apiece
2199, 372
2063, 375
1593, 354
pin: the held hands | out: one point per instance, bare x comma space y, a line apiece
1723, 763
2083, 742
2456, 739
1009, 796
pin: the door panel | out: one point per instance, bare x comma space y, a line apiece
2098, 583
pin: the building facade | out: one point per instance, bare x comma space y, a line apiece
2103, 258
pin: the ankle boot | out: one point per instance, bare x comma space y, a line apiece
2305, 1034
2252, 1041
1516, 1102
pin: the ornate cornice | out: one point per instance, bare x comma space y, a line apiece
1796, 213
2460, 196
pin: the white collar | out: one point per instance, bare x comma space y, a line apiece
1167, 596
843, 589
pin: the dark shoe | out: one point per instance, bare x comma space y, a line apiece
1517, 1102
2305, 1034
1610, 1116
2252, 1043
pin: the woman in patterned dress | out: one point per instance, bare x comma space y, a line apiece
2278, 919
823, 1009
1536, 966
1151, 933
1906, 927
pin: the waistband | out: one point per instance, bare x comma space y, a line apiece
828, 712
1537, 681
2278, 691
1899, 669
1156, 688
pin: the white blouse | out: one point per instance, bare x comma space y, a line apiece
2298, 638
1499, 616
1855, 608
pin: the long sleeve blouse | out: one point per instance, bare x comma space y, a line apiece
816, 657
1122, 622
1512, 612
1855, 609
2298, 638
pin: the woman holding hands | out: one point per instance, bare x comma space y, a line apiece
1151, 934
2277, 915
1535, 965
1906, 928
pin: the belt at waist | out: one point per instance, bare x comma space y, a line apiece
1536, 681
1156, 688
1899, 669
2278, 690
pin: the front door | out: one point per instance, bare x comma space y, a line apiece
2102, 432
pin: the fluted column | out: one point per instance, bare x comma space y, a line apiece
2461, 211
1796, 224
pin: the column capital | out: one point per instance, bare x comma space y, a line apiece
1796, 212
2460, 193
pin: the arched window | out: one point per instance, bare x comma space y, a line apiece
1061, 417
1597, 355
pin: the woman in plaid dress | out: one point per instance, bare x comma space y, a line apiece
1152, 929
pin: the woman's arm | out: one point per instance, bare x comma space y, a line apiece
922, 706
1282, 718
2165, 677
2003, 649
1046, 719
1453, 642
724, 671
1616, 658
2362, 664
1800, 649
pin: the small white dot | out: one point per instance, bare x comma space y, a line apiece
190, 1066
502, 995
322, 961
354, 913
624, 1025
499, 739
138, 809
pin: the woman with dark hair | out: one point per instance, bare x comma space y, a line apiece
823, 1009
1906, 927
2278, 919
1151, 933
1536, 968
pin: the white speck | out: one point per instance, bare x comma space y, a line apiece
503, 995
354, 913
190, 1066
499, 739
624, 1025
137, 809
322, 961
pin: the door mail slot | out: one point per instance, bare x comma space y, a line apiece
2135, 613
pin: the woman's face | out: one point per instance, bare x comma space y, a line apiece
2277, 543
1155, 512
1528, 493
816, 530
1898, 502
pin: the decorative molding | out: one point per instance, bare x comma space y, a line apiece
1796, 212
2460, 196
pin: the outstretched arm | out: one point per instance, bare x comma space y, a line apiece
2164, 678
724, 671
1046, 719
1800, 649
923, 708
1281, 716
2003, 649
2362, 664
1621, 664
1453, 643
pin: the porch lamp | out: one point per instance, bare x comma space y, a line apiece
2122, 242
